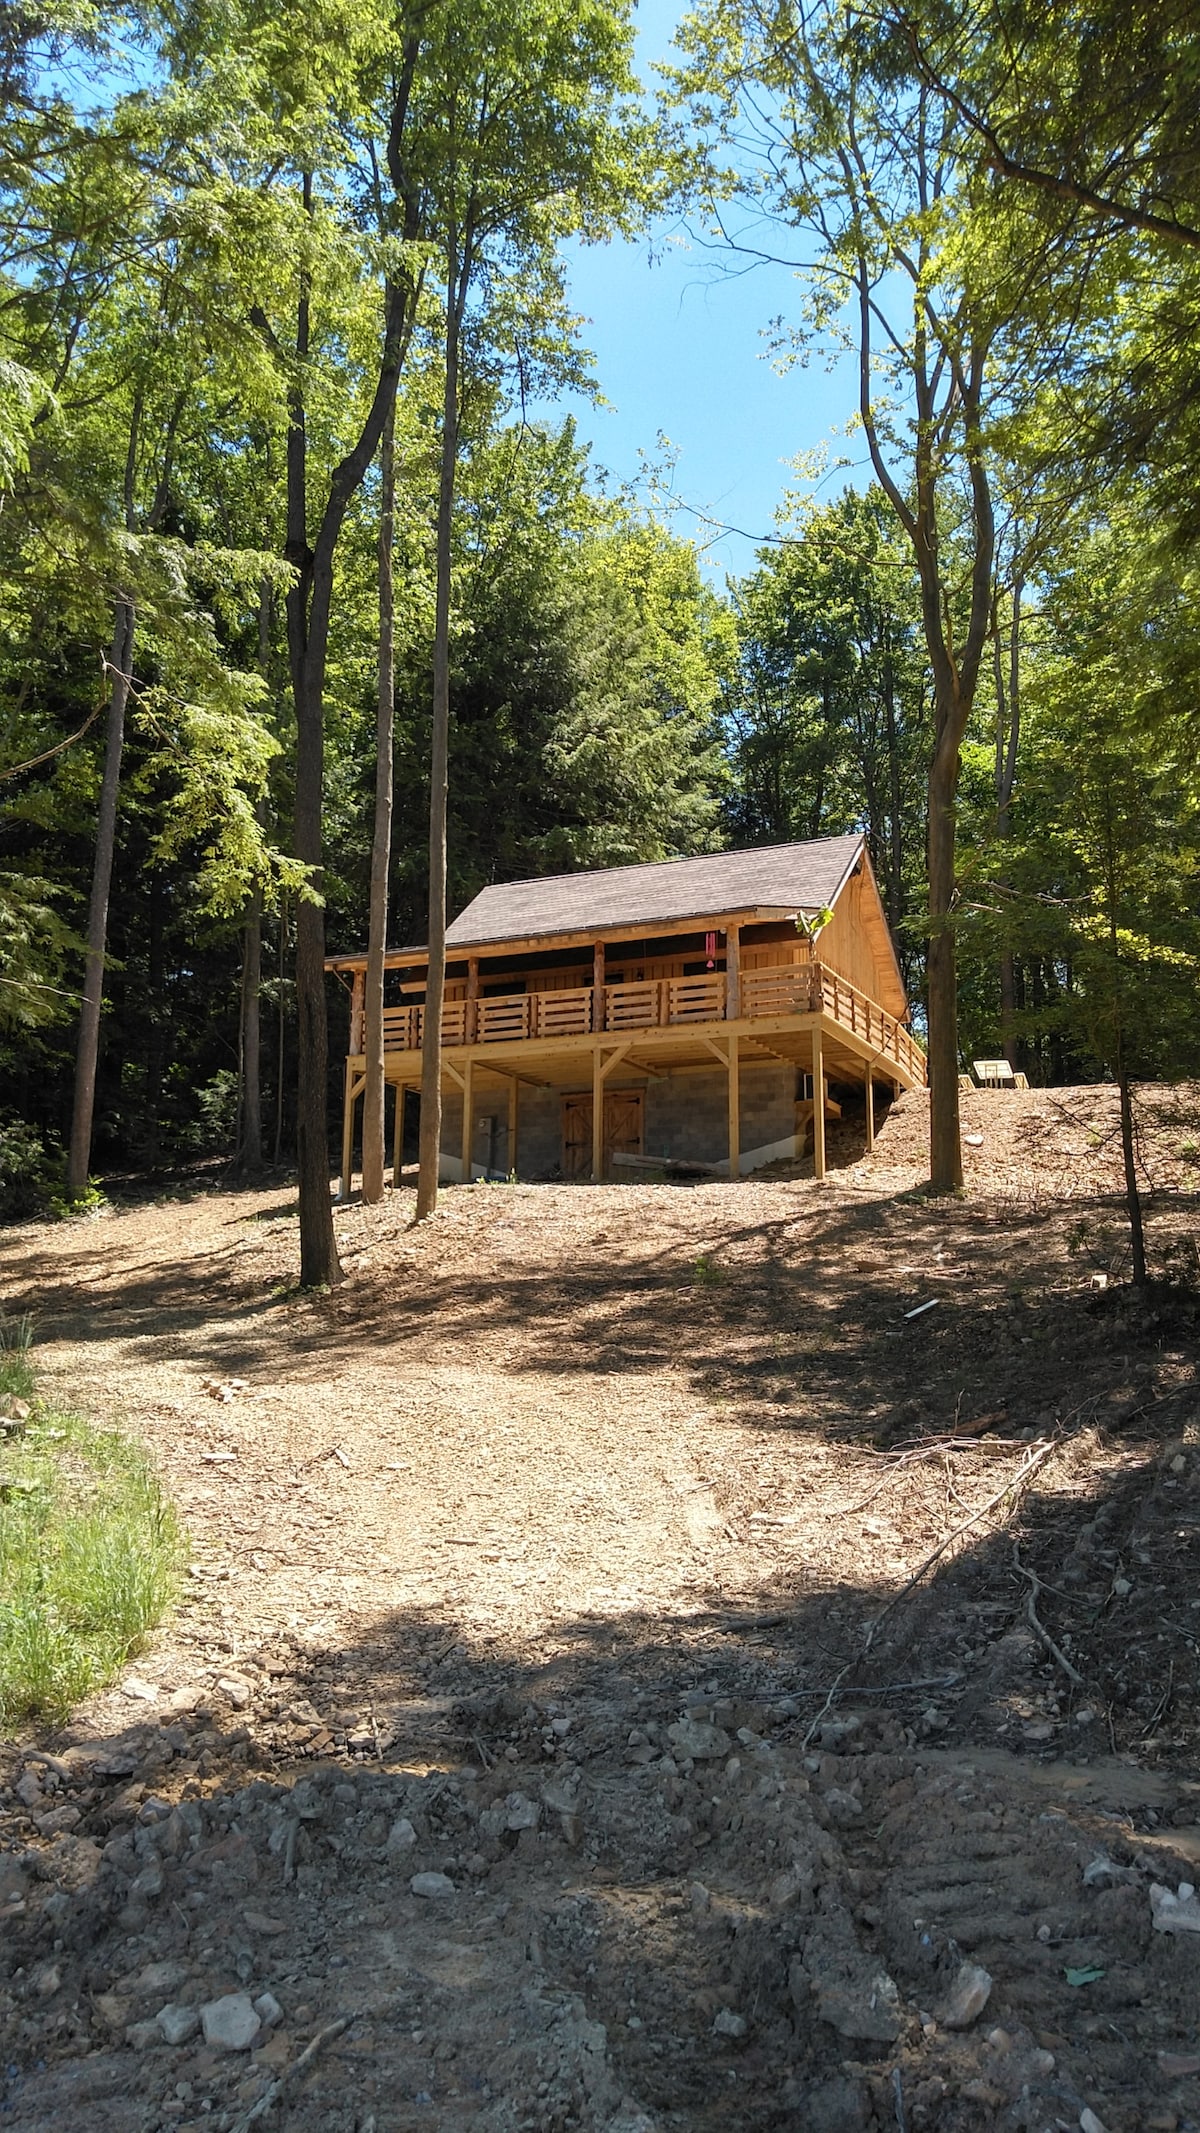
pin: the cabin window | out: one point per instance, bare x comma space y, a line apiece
502, 988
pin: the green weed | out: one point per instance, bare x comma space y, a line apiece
707, 1274
90, 1552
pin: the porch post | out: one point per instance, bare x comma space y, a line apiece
818, 1082
472, 1015
598, 987
357, 1004
514, 1089
398, 1135
735, 1110
468, 1119
870, 1092
344, 1182
597, 1116
733, 972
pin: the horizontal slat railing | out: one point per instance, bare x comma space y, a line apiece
401, 1029
787, 990
634, 1006
564, 1014
700, 999
657, 1003
505, 1017
856, 1012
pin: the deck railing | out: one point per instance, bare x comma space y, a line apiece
660, 1003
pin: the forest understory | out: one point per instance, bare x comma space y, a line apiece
638, 1669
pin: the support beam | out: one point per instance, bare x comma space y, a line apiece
870, 1095
398, 1136
735, 1110
818, 1082
733, 972
598, 987
617, 1057
514, 1099
468, 1119
358, 998
344, 1182
597, 1117
472, 1020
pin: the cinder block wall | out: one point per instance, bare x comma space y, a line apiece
687, 1118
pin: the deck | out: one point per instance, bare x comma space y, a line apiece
802, 1013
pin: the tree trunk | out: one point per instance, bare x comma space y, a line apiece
88, 1049
435, 986
155, 1022
1008, 732
1133, 1198
945, 1148
251, 1045
281, 1035
373, 1148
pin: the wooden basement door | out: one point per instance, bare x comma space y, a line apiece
624, 1119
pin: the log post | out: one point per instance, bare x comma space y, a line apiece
345, 1181
733, 972
597, 1117
398, 1135
818, 1081
468, 1118
514, 1095
598, 987
735, 1110
870, 1096
471, 1021
357, 1008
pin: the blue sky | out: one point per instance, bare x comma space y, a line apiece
679, 350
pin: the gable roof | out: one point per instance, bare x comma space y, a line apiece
773, 879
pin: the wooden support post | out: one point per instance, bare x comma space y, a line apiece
598, 988
398, 1135
597, 1117
818, 1081
735, 1110
471, 1020
357, 1005
870, 1096
345, 1181
733, 972
468, 1118
514, 1097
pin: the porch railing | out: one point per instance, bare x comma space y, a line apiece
660, 1003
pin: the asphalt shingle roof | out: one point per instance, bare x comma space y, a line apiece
777, 877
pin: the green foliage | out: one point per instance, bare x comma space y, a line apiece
90, 1554
828, 713
1101, 877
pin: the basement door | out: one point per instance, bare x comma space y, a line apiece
624, 1120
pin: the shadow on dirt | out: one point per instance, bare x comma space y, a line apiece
764, 1891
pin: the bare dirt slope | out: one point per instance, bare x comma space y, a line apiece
565, 1553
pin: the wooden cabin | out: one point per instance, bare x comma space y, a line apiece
682, 1013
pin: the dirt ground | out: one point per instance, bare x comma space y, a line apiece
639, 1668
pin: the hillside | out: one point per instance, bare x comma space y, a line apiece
748, 1647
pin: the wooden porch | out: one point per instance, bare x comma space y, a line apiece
795, 1010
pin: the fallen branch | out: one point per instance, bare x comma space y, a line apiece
270, 2097
1037, 1457
1037, 1625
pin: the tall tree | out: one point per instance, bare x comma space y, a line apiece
534, 137
835, 134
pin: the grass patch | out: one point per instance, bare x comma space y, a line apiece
90, 1549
